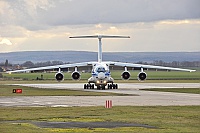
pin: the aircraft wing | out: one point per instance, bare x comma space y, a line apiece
148, 66
53, 67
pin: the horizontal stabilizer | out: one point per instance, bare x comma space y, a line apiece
100, 36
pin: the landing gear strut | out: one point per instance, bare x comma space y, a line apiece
101, 87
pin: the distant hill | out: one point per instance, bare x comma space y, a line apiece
80, 56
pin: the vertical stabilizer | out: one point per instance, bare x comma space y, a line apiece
100, 51
100, 42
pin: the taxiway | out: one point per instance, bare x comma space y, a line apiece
143, 98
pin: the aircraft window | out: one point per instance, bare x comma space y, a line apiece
101, 69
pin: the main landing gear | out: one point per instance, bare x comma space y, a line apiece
99, 87
112, 86
88, 86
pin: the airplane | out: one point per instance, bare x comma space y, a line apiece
101, 75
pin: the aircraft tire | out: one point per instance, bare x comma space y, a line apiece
116, 86
111, 86
103, 87
85, 87
98, 87
92, 87
108, 86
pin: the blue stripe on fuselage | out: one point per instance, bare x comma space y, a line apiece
106, 74
94, 74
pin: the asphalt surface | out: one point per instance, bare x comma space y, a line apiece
88, 125
122, 86
145, 98
76, 124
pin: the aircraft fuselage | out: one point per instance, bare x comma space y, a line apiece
101, 75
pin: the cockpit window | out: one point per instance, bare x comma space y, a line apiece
100, 69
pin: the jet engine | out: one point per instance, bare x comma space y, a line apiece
126, 75
76, 75
59, 76
142, 76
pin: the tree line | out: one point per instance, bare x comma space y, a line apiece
30, 64
173, 63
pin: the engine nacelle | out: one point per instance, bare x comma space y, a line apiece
126, 75
59, 76
76, 75
142, 76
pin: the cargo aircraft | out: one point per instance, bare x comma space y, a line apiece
101, 75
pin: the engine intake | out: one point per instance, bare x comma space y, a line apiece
126, 75
142, 76
76, 75
59, 76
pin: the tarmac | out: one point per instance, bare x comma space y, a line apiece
139, 97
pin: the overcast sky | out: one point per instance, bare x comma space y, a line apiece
153, 25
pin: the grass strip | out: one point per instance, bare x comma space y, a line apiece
166, 119
178, 90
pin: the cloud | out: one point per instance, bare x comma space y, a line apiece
146, 37
123, 11
43, 14
156, 25
5, 41
24, 13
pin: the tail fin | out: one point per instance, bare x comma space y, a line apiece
100, 43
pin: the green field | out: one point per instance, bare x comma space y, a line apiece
178, 90
165, 119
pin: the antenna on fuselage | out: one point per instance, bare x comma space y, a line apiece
100, 42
